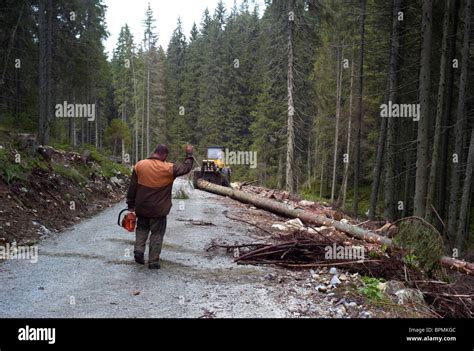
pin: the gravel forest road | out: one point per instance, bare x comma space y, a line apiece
88, 271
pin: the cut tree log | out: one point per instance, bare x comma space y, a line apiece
284, 210
311, 218
458, 265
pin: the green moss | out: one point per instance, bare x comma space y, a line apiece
9, 169
69, 172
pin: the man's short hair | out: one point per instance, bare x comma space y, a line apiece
161, 149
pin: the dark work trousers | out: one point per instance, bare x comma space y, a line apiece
157, 227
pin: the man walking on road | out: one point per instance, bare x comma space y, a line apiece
149, 195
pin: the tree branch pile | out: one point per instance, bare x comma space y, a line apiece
320, 220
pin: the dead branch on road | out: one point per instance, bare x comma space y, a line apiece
250, 223
196, 222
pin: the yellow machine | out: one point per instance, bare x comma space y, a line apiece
213, 168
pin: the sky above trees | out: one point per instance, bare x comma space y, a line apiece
165, 12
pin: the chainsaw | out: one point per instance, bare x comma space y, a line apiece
128, 221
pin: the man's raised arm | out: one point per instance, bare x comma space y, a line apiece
184, 168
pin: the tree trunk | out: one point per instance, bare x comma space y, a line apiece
355, 203
283, 209
124, 120
97, 124
459, 127
424, 121
49, 69
74, 129
321, 182
461, 237
442, 202
83, 130
142, 146
377, 174
338, 113
136, 113
385, 124
349, 127
458, 265
74, 132
148, 106
291, 108
317, 155
390, 164
430, 196
45, 57
137, 157
148, 83
280, 172
409, 174
308, 163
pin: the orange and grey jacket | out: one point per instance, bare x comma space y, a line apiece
150, 188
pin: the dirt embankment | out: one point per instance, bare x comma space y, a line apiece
45, 190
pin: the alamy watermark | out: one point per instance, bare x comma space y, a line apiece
240, 158
14, 252
75, 110
37, 334
400, 111
340, 252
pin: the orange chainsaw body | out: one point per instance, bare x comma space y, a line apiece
129, 221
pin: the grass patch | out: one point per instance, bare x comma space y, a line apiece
364, 198
370, 289
108, 167
181, 195
69, 173
11, 171
62, 146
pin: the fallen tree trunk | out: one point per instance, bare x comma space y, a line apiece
458, 265
284, 210
311, 218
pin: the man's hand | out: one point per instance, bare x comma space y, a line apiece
188, 149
